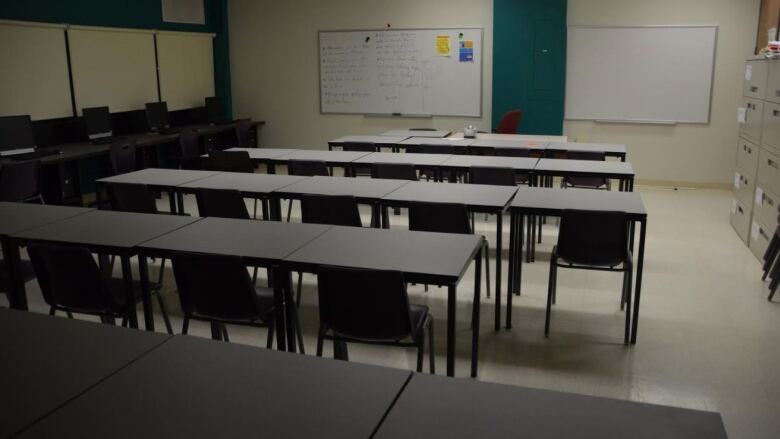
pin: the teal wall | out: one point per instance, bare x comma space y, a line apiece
529, 62
142, 14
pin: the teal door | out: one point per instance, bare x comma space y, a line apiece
529, 62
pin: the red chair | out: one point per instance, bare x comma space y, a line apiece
510, 123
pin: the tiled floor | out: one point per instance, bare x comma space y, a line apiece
708, 338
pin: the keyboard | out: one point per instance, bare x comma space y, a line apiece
37, 154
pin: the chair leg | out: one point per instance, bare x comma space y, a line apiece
432, 352
289, 210
486, 250
298, 293
320, 341
254, 215
254, 276
772, 291
185, 326
775, 280
771, 254
69, 314
224, 330
420, 352
164, 313
52, 311
340, 351
269, 342
550, 289
298, 333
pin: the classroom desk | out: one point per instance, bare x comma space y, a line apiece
435, 407
452, 141
534, 201
378, 141
260, 243
264, 155
419, 161
18, 217
476, 197
534, 146
621, 171
105, 233
618, 151
160, 179
365, 190
416, 133
191, 387
341, 159
423, 257
531, 137
49, 361
462, 163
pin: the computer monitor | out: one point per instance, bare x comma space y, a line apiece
16, 135
157, 116
98, 122
214, 110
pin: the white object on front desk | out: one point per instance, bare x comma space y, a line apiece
470, 132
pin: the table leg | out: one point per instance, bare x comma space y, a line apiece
518, 267
216, 331
451, 304
279, 311
376, 219
475, 313
638, 288
172, 201
146, 295
127, 276
275, 207
17, 296
289, 307
270, 168
180, 203
499, 249
265, 209
510, 281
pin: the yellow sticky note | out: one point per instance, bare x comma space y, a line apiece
468, 44
443, 45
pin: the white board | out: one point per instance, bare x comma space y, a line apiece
652, 74
400, 71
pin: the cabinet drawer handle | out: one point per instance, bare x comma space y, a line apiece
741, 212
772, 163
754, 89
769, 201
763, 233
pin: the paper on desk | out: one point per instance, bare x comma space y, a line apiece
737, 180
741, 115
748, 72
759, 196
755, 230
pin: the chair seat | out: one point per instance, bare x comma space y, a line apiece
265, 307
117, 287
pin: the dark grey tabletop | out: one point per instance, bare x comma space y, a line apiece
335, 157
47, 361
377, 140
17, 217
438, 407
587, 147
364, 189
156, 177
585, 167
459, 141
419, 255
262, 241
475, 196
417, 133
254, 184
551, 201
107, 229
264, 153
192, 387
509, 143
414, 159
520, 164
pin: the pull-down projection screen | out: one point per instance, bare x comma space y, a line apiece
186, 69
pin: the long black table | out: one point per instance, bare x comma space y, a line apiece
48, 362
18, 217
105, 233
435, 407
476, 197
341, 159
621, 171
422, 257
264, 156
535, 201
191, 387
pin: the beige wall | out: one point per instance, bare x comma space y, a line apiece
684, 153
274, 62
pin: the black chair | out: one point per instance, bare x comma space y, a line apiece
514, 152
138, 198
245, 134
446, 218
21, 181
592, 240
772, 260
71, 281
305, 168
371, 306
230, 161
122, 156
492, 176
394, 171
217, 289
221, 203
363, 171
189, 149
583, 181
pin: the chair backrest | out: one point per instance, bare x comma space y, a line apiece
337, 210
245, 137
221, 203
594, 156
20, 181
493, 176
215, 286
396, 171
189, 148
439, 217
364, 304
593, 238
512, 152
436, 149
136, 198
510, 122
230, 161
359, 147
70, 278
307, 168
122, 157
